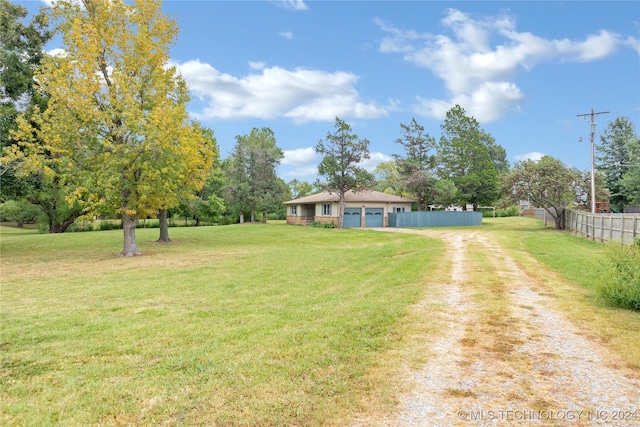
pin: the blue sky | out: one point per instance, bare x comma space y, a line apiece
523, 69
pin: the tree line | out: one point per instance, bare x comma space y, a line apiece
102, 129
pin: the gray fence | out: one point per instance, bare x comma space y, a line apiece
435, 219
622, 228
539, 213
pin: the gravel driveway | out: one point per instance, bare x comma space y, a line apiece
528, 366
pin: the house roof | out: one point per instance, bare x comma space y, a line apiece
361, 196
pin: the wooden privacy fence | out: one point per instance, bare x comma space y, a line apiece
622, 228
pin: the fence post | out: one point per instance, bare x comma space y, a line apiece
611, 230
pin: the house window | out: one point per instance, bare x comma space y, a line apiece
326, 209
294, 210
398, 210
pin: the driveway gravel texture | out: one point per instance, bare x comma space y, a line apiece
519, 363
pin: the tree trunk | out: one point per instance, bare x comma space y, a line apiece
241, 218
559, 218
253, 215
198, 224
62, 227
130, 248
264, 217
341, 206
164, 227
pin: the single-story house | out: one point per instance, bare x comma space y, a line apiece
362, 209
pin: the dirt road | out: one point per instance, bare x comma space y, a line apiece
505, 356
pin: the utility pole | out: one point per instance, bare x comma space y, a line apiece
593, 152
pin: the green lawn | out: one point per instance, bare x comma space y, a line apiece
245, 325
234, 325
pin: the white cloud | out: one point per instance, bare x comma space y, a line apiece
592, 48
300, 156
300, 94
534, 155
51, 3
286, 34
487, 103
374, 160
291, 4
479, 74
257, 65
58, 52
633, 43
303, 173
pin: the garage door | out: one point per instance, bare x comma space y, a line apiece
352, 217
374, 217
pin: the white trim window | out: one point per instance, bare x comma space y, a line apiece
293, 210
326, 209
398, 210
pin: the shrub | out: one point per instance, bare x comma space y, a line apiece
73, 228
323, 225
620, 284
513, 210
501, 213
43, 225
151, 223
110, 225
274, 216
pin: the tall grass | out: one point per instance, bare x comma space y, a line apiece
236, 325
620, 283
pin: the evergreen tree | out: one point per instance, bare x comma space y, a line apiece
342, 152
614, 160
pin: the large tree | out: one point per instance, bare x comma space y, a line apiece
631, 179
299, 188
418, 163
253, 185
471, 158
116, 130
342, 152
21, 52
547, 183
388, 179
191, 168
614, 158
206, 203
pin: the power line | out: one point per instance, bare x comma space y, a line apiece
592, 136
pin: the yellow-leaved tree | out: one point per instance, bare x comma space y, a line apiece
116, 127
